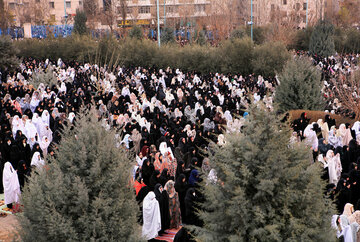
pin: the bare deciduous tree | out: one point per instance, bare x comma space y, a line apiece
36, 12
347, 91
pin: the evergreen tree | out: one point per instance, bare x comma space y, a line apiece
84, 193
80, 22
300, 87
167, 35
322, 40
266, 189
8, 59
135, 32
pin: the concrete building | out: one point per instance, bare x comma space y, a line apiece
288, 11
177, 12
39, 12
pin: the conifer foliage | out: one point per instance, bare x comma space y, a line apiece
267, 189
300, 87
84, 193
80, 22
322, 39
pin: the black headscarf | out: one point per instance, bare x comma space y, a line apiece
163, 199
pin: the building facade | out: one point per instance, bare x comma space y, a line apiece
123, 13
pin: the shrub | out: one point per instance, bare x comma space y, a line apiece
8, 51
269, 58
167, 35
302, 39
234, 56
136, 32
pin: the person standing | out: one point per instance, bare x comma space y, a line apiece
11, 185
151, 217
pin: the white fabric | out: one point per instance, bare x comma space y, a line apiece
310, 137
44, 144
164, 149
36, 160
11, 184
331, 167
30, 129
151, 217
37, 121
71, 117
46, 131
356, 127
45, 117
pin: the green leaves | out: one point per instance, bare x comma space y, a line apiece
8, 53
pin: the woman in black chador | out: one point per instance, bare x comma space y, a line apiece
163, 199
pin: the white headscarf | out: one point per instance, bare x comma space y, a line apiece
71, 117
37, 121
36, 160
126, 141
44, 144
163, 148
151, 217
45, 116
227, 115
11, 184
356, 128
17, 124
30, 129
221, 140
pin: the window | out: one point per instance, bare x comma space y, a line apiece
172, 9
80, 3
129, 10
51, 4
304, 6
304, 19
144, 9
284, 2
297, 6
200, 8
272, 7
68, 4
52, 18
12, 5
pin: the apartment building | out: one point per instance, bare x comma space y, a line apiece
174, 12
288, 11
38, 12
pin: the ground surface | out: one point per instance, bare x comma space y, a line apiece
8, 228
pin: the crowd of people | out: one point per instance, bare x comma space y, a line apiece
167, 118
